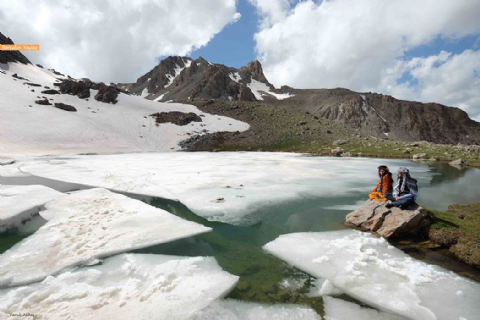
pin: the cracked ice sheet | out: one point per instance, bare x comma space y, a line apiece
198, 179
19, 203
372, 271
127, 286
337, 309
240, 310
87, 225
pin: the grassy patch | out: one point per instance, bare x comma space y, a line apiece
459, 230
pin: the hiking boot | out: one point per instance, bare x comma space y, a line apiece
389, 205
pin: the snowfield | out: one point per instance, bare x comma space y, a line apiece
370, 270
27, 128
128, 286
86, 225
20, 203
247, 182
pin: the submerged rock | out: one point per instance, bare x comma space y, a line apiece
390, 222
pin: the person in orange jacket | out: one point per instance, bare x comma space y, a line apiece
385, 185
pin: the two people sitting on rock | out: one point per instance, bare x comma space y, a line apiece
405, 191
384, 186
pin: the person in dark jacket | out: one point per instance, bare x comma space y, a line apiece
405, 191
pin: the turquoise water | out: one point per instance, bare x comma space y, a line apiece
238, 249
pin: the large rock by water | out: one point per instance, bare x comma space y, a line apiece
389, 222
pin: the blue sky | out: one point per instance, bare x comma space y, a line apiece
234, 45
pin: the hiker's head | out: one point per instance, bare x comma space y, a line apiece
402, 171
382, 170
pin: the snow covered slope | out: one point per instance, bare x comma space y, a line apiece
247, 181
19, 203
27, 128
86, 225
376, 273
128, 286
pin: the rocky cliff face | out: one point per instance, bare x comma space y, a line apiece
181, 78
11, 56
385, 117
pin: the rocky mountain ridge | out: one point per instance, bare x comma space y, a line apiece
182, 79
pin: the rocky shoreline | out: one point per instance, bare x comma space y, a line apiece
457, 230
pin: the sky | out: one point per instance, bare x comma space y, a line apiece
422, 50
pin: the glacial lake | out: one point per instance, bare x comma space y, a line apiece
238, 248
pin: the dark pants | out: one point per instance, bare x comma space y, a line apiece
402, 202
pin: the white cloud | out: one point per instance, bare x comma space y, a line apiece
445, 78
361, 44
112, 40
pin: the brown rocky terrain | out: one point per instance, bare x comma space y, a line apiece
308, 120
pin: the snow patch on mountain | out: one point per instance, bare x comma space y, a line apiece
177, 71
27, 128
258, 87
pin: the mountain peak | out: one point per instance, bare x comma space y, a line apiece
11, 56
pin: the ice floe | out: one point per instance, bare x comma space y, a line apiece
240, 310
128, 286
370, 270
336, 309
20, 203
87, 225
247, 182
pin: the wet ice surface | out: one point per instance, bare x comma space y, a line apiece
86, 225
336, 309
239, 310
226, 187
370, 270
127, 286
20, 203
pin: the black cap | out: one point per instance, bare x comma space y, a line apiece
382, 167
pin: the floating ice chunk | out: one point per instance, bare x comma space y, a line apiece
323, 287
258, 180
20, 203
336, 309
128, 286
239, 310
364, 267
89, 224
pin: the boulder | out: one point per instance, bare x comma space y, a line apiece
65, 107
337, 152
107, 94
390, 222
459, 163
50, 91
420, 156
76, 88
340, 142
346, 154
43, 101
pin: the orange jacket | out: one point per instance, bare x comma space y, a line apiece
385, 184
